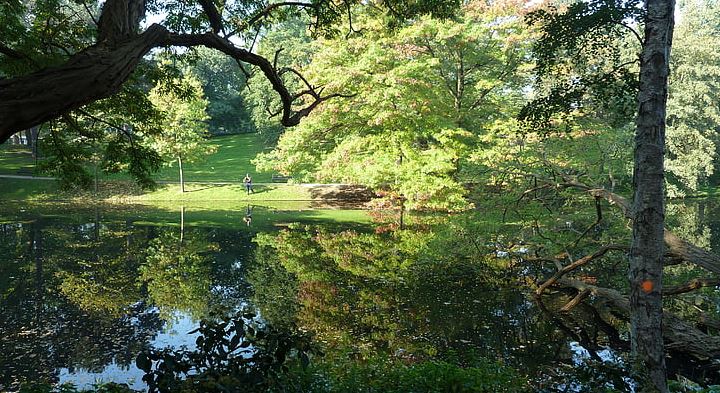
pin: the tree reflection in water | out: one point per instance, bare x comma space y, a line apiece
84, 289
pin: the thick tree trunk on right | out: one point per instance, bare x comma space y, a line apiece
648, 249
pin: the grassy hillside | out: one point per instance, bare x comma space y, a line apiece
230, 163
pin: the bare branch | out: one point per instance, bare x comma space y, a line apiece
90, 14
576, 300
580, 262
270, 7
123, 130
290, 117
691, 286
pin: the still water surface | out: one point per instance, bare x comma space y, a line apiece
84, 289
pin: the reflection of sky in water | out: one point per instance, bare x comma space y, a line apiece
173, 335
580, 354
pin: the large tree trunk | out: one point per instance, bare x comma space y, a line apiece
648, 249
96, 73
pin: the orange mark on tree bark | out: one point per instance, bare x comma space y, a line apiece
647, 286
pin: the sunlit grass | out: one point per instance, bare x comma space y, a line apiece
14, 158
206, 192
229, 164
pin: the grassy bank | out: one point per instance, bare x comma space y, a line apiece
199, 197
47, 190
199, 192
230, 163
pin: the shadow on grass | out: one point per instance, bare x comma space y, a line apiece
257, 190
207, 187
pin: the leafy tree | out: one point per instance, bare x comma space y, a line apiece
421, 96
60, 55
184, 129
693, 116
222, 82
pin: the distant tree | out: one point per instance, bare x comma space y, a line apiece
184, 127
222, 82
694, 91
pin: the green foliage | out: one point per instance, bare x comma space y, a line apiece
694, 89
422, 95
184, 130
587, 72
586, 64
232, 353
222, 82
379, 374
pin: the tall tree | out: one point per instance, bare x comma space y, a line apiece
648, 245
183, 124
693, 116
422, 96
111, 45
580, 32
222, 83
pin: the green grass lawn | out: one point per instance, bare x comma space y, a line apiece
198, 196
228, 164
210, 192
13, 158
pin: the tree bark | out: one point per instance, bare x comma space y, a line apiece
182, 181
91, 75
680, 335
647, 250
99, 71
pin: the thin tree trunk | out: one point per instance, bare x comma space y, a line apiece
182, 223
96, 177
648, 248
182, 181
34, 133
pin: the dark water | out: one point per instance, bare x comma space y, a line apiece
84, 290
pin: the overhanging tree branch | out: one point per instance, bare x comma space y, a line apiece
98, 71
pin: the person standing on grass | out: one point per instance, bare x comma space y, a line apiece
248, 183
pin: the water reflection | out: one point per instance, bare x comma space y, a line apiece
83, 294
83, 291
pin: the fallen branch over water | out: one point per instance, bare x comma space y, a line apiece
679, 334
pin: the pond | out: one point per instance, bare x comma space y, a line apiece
83, 290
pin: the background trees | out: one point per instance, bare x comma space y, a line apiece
184, 134
222, 82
